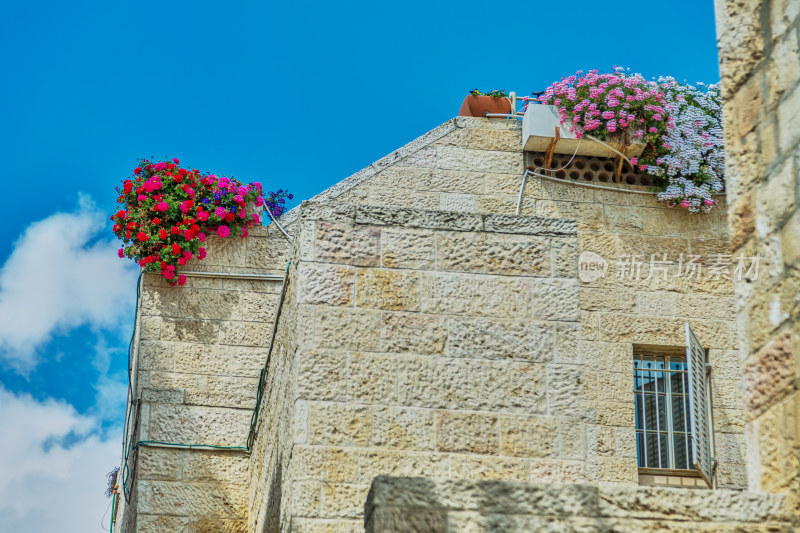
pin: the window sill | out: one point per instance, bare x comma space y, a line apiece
661, 477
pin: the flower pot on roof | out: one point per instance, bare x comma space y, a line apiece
477, 104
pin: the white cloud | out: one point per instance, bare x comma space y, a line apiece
46, 485
61, 274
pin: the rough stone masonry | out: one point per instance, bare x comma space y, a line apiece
426, 331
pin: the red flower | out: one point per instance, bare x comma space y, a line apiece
181, 280
201, 253
127, 186
138, 170
121, 252
142, 236
156, 221
175, 160
176, 249
162, 234
121, 214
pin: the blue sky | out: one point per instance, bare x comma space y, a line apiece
296, 96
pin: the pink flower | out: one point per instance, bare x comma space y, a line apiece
181, 280
260, 201
634, 160
607, 115
202, 237
169, 274
220, 212
182, 261
201, 252
121, 252
653, 129
162, 206
244, 232
202, 216
685, 204
223, 231
141, 197
175, 160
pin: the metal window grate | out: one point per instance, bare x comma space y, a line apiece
663, 435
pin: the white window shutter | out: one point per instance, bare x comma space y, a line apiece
698, 390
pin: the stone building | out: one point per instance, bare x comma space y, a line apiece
417, 327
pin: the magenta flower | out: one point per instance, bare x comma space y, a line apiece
162, 206
223, 231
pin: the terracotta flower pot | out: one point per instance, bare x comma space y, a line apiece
476, 106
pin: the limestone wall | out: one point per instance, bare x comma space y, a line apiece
760, 67
456, 345
443, 506
200, 349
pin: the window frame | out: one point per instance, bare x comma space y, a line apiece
683, 352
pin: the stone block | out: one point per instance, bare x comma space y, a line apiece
643, 329
564, 258
325, 284
377, 462
190, 330
159, 464
483, 139
443, 383
453, 158
461, 203
258, 306
245, 333
617, 470
598, 299
771, 371
407, 249
348, 244
211, 525
516, 387
528, 436
159, 301
149, 328
226, 252
322, 375
417, 218
568, 343
355, 329
571, 438
209, 304
531, 225
372, 378
625, 219
403, 428
146, 523
488, 338
565, 389
155, 355
475, 295
387, 289
555, 299
413, 332
198, 500
344, 500
557, 471
191, 424
493, 254
466, 432
483, 467
337, 424
221, 466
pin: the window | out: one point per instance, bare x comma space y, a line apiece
662, 411
671, 395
